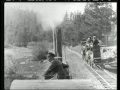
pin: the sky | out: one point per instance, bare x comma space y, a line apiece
51, 13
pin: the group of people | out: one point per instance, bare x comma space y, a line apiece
92, 44
92, 41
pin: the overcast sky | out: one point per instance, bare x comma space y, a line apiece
51, 13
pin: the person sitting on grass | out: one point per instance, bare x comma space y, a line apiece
56, 67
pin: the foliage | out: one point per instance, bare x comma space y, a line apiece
10, 71
22, 27
40, 50
9, 64
95, 20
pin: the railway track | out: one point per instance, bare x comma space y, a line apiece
105, 79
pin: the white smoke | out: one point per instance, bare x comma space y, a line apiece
48, 22
50, 14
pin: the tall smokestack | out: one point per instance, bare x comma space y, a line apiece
59, 43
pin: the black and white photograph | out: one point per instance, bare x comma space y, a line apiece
57, 45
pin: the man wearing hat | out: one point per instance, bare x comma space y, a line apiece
56, 67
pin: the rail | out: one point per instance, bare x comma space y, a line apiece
106, 80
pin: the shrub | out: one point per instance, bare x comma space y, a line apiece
9, 70
6, 45
40, 50
9, 64
35, 76
31, 44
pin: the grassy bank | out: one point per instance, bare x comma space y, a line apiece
19, 64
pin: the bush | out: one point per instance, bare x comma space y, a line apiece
40, 50
31, 44
9, 70
6, 45
9, 64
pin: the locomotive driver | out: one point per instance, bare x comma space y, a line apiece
56, 67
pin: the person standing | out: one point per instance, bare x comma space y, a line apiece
96, 48
90, 40
95, 41
97, 53
89, 43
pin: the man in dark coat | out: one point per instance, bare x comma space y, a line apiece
56, 67
97, 53
95, 41
96, 48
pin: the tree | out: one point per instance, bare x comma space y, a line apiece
21, 27
95, 20
99, 15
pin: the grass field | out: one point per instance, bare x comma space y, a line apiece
20, 59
